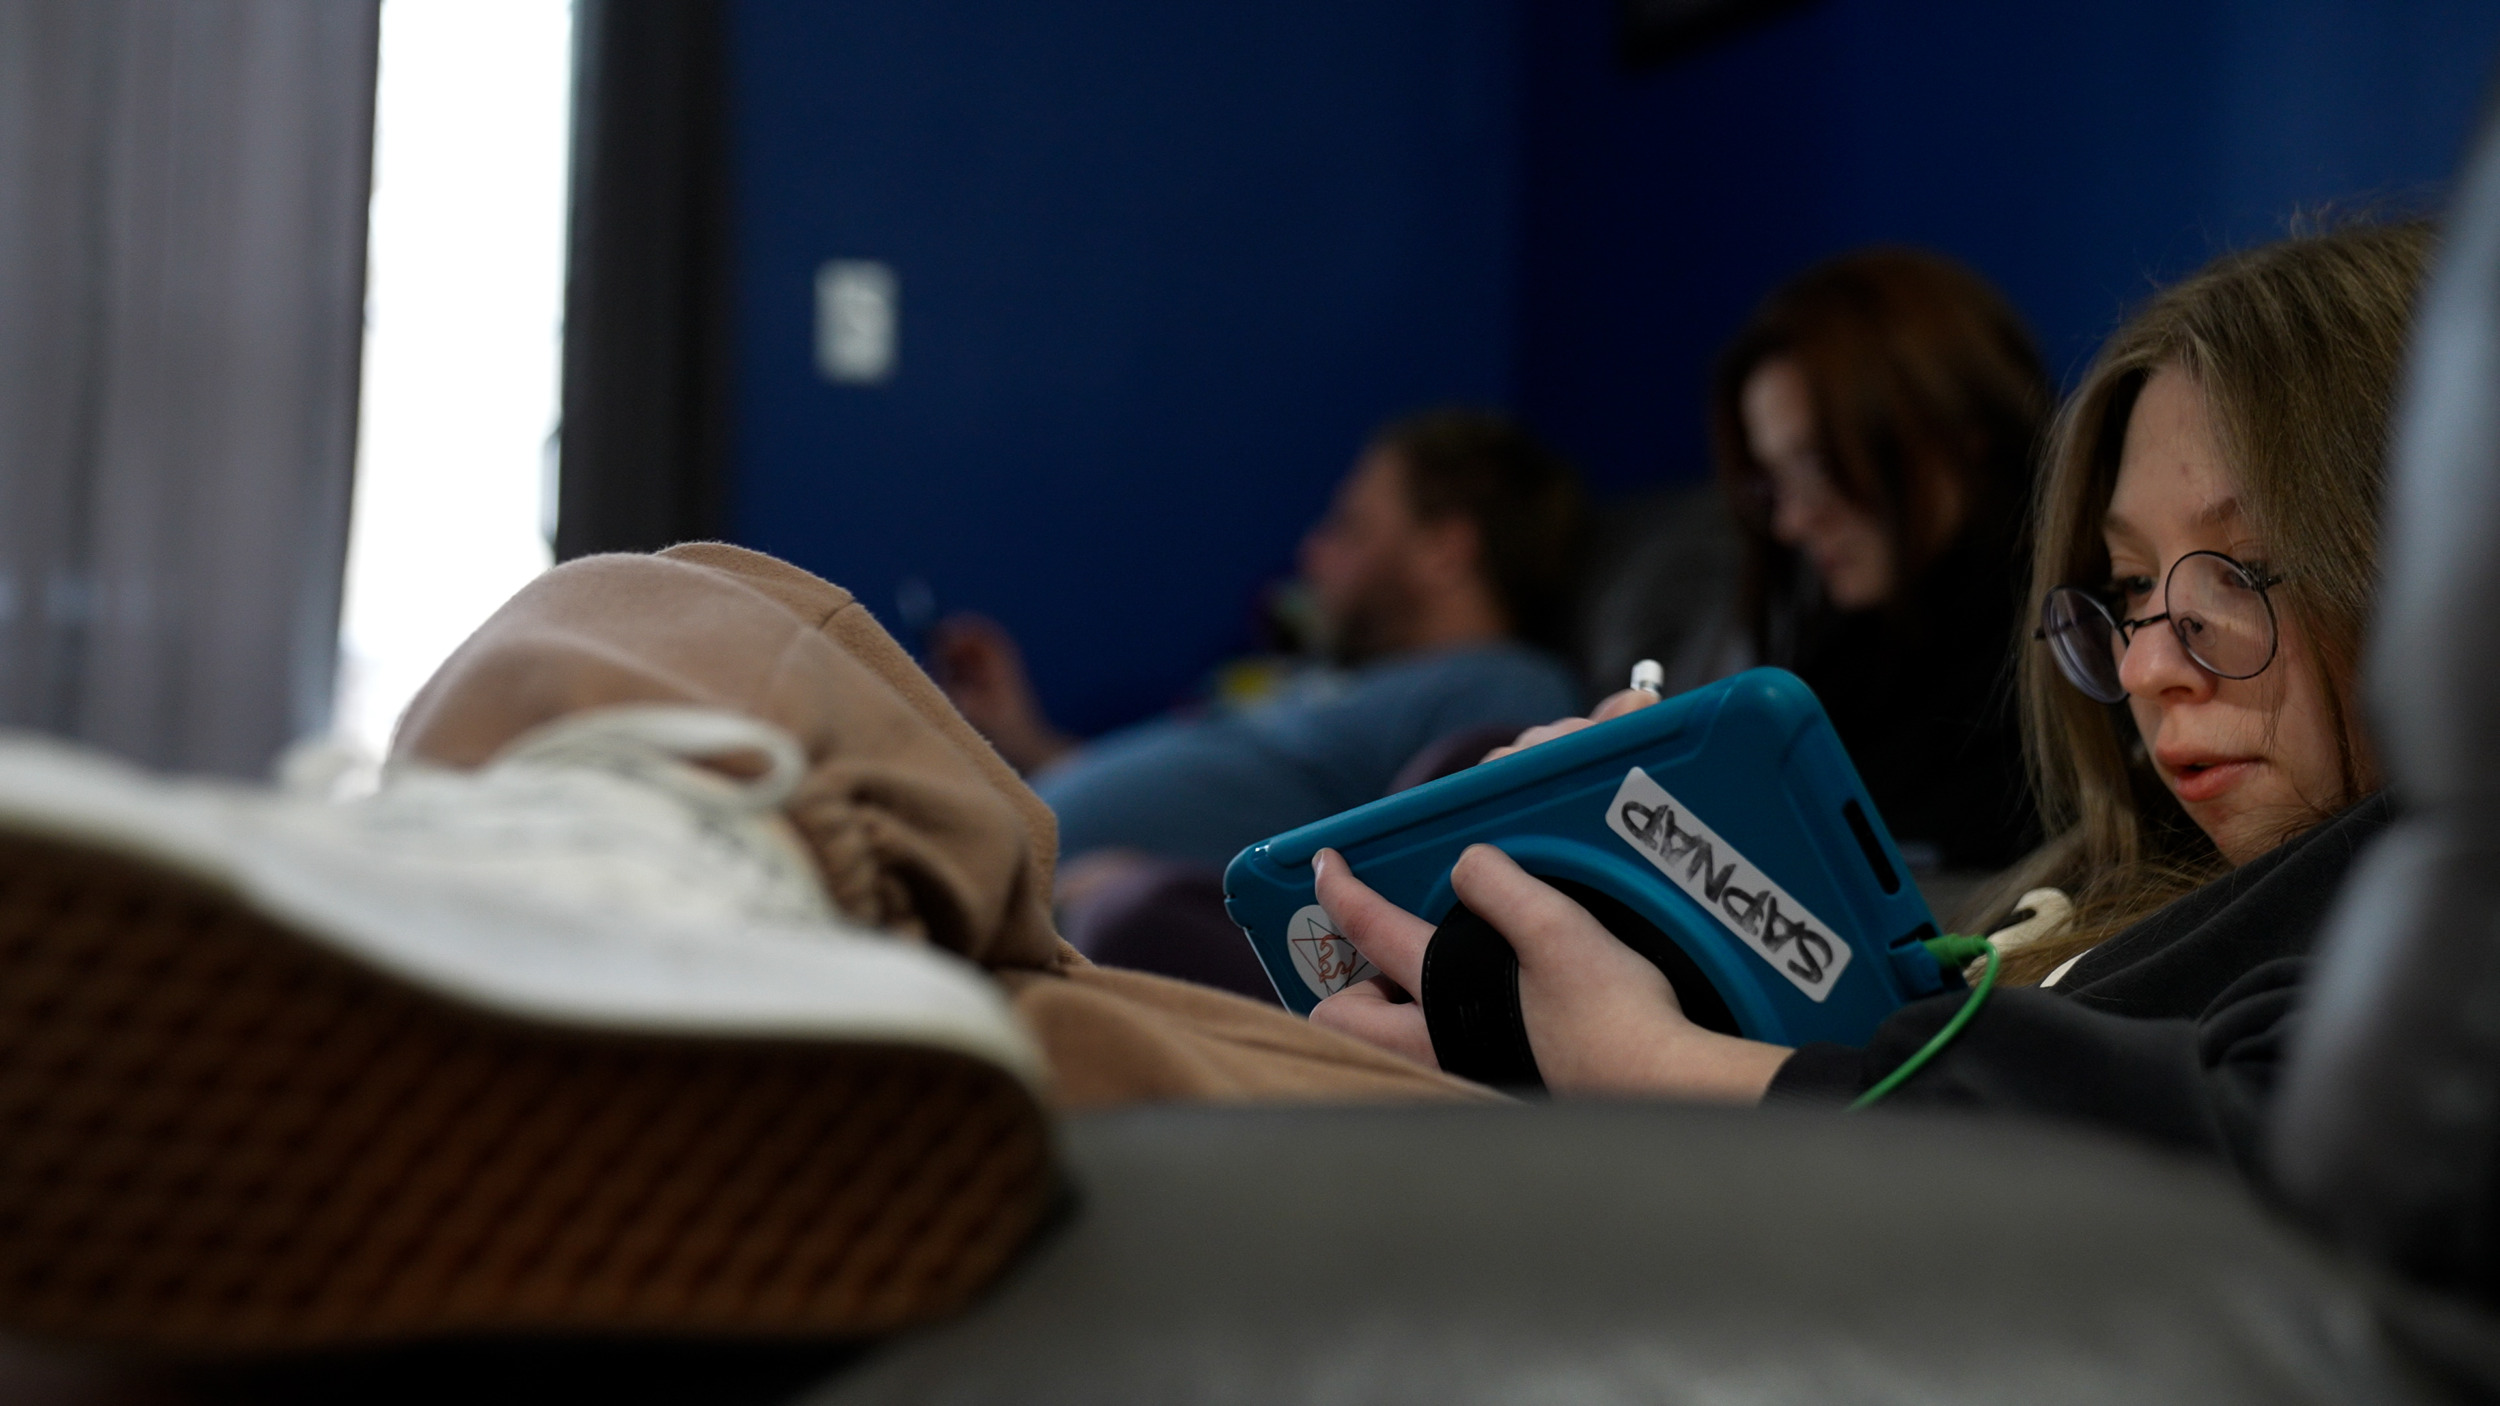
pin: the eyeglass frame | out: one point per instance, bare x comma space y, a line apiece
2262, 582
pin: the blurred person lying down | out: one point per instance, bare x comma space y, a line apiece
1444, 562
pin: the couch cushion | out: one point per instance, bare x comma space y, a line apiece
1630, 1252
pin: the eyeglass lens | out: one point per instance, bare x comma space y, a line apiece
2083, 640
2221, 616
2217, 609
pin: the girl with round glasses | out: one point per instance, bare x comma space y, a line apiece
2203, 566
2202, 563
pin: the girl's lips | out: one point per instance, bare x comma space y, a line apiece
2205, 783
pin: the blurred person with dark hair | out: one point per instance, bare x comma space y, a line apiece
1874, 427
1443, 565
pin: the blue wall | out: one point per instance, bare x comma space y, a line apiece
1163, 265
2076, 153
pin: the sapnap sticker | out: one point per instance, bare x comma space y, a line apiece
1328, 963
1761, 913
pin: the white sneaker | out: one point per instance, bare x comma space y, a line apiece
570, 1043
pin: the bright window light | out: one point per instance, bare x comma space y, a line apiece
464, 307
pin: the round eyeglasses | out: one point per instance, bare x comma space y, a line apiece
2217, 607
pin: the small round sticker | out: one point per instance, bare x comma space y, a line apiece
1328, 963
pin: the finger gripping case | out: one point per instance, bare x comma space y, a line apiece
1723, 833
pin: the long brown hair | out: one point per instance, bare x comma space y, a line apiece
2296, 346
1927, 392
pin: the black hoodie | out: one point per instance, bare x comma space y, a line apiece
1921, 695
2174, 1030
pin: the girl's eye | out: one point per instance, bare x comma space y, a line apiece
2133, 588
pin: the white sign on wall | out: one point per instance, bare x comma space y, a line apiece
856, 312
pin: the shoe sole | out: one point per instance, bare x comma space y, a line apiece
218, 1135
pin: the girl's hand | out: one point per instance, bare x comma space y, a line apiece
1629, 700
1600, 1018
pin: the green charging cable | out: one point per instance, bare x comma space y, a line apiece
1954, 950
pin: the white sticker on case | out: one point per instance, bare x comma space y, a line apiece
1764, 916
1328, 963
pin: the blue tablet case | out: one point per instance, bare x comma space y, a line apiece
1729, 819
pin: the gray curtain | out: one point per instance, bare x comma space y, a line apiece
183, 186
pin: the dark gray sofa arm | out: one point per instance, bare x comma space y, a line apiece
1643, 1253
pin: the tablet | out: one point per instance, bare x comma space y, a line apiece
1723, 833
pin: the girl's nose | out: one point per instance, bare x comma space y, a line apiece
2155, 665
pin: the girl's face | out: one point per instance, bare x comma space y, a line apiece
1851, 553
2252, 760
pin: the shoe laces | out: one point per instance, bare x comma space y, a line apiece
655, 812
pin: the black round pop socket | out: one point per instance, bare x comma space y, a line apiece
1471, 988
1471, 1004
